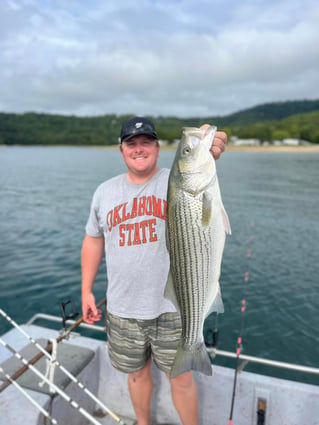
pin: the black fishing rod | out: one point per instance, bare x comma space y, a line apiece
238, 349
240, 336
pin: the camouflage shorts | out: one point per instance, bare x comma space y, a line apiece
132, 342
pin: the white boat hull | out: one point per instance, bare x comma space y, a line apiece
287, 402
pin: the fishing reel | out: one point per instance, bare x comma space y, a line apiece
64, 306
211, 341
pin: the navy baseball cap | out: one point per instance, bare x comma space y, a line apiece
136, 126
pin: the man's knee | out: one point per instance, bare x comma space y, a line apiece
183, 382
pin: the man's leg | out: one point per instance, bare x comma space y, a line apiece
140, 386
165, 340
185, 398
127, 336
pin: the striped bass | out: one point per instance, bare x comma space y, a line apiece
197, 224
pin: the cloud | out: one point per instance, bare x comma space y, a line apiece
179, 57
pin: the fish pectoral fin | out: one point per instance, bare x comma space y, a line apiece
169, 292
226, 221
207, 208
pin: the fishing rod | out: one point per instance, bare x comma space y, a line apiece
240, 336
47, 349
44, 352
25, 393
65, 396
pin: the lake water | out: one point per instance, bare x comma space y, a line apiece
272, 202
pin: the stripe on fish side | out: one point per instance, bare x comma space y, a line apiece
202, 270
193, 269
196, 358
182, 262
191, 263
178, 251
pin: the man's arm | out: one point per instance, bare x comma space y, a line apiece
91, 257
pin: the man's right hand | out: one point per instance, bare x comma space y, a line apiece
90, 313
91, 256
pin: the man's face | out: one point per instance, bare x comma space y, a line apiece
140, 154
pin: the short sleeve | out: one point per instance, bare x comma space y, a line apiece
94, 226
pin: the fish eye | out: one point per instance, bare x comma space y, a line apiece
187, 150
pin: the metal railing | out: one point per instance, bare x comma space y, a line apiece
49, 317
267, 362
245, 358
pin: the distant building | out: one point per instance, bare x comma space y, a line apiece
244, 142
291, 142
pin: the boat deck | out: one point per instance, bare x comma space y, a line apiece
286, 402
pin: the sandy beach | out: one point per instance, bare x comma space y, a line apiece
297, 149
233, 148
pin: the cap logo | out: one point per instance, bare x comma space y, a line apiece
138, 125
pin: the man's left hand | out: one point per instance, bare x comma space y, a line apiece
219, 142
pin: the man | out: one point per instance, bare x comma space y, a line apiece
127, 220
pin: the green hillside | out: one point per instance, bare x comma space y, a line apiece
300, 126
297, 119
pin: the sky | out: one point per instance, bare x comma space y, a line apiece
183, 58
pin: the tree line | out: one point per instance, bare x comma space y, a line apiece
272, 121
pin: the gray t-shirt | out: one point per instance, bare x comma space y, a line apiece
132, 219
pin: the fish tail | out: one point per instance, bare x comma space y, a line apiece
191, 359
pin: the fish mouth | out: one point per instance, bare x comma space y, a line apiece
194, 141
209, 136
198, 137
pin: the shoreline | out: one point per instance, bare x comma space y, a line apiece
314, 148
234, 148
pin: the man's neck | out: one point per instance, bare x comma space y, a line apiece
136, 178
